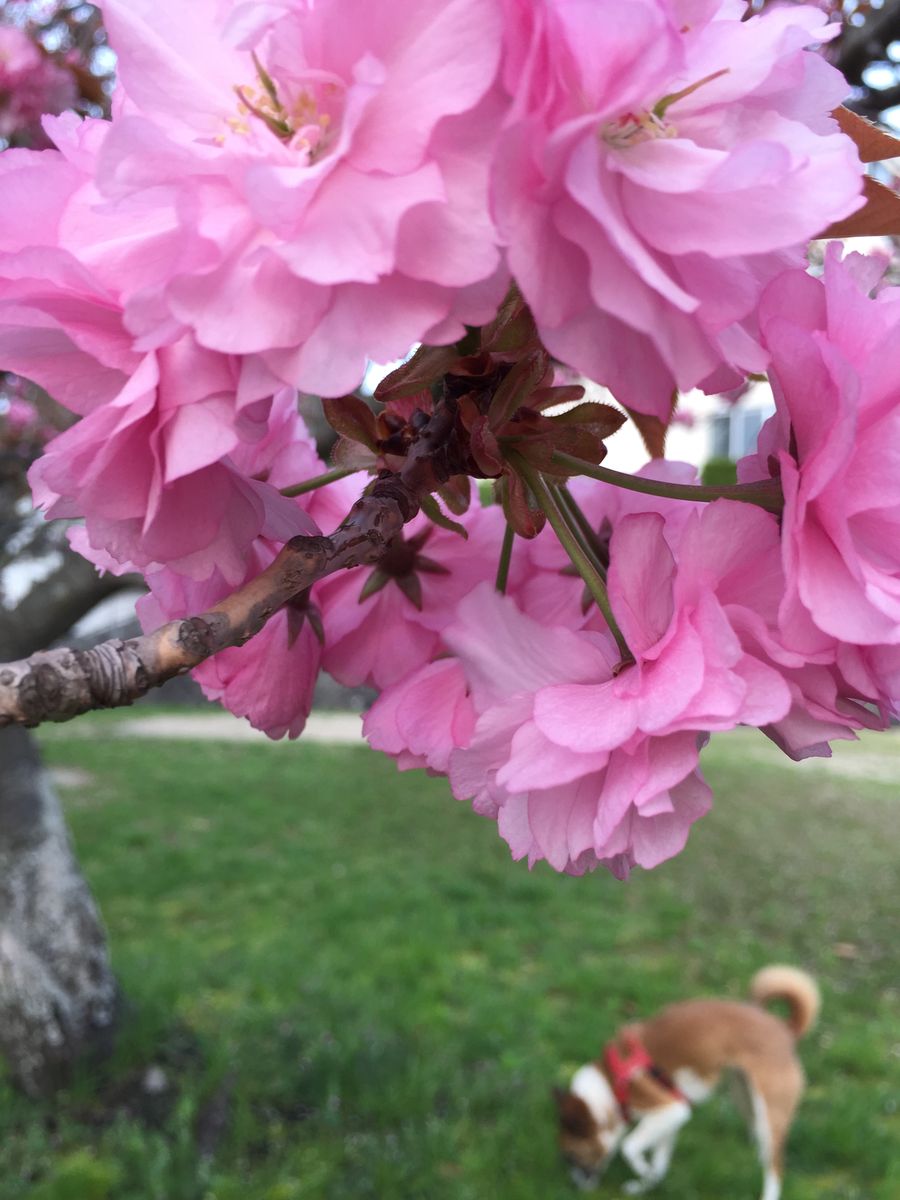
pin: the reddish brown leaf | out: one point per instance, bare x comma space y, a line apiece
872, 142
468, 410
516, 388
652, 430
457, 494
879, 215
428, 364
602, 419
526, 521
539, 448
549, 397
345, 453
581, 443
485, 448
353, 419
419, 540
579, 432
315, 620
296, 612
473, 366
512, 328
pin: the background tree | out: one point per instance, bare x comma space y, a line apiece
58, 995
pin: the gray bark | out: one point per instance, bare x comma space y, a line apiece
58, 996
56, 603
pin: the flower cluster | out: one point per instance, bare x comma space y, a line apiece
316, 186
533, 190
585, 758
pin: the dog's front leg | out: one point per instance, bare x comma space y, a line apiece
660, 1158
655, 1133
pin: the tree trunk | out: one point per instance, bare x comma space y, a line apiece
58, 996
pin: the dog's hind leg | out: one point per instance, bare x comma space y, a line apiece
775, 1096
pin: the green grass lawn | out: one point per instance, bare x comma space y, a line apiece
354, 993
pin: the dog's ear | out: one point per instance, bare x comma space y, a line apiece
574, 1115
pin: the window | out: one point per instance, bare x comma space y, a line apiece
733, 433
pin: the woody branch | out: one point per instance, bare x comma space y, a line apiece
56, 685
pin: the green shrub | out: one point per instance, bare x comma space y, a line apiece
79, 1176
719, 472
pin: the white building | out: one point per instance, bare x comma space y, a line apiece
705, 427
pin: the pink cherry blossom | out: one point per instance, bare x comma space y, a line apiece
60, 325
31, 84
834, 442
329, 166
636, 813
543, 581
64, 269
692, 672
422, 718
663, 161
270, 679
829, 702
20, 415
379, 636
632, 805
180, 430
582, 760
872, 673
160, 450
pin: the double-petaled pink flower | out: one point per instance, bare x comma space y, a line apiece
628, 803
385, 621
329, 163
543, 581
659, 159
270, 679
580, 758
834, 444
171, 462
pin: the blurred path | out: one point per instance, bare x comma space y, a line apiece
341, 729
875, 756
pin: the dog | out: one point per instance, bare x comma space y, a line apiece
639, 1094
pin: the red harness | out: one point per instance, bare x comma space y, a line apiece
622, 1068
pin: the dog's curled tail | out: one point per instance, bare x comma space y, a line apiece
799, 990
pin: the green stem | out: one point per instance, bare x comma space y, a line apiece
505, 557
588, 535
310, 485
766, 494
571, 543
578, 530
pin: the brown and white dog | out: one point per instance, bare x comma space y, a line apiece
640, 1093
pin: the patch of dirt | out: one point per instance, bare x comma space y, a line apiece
147, 1093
